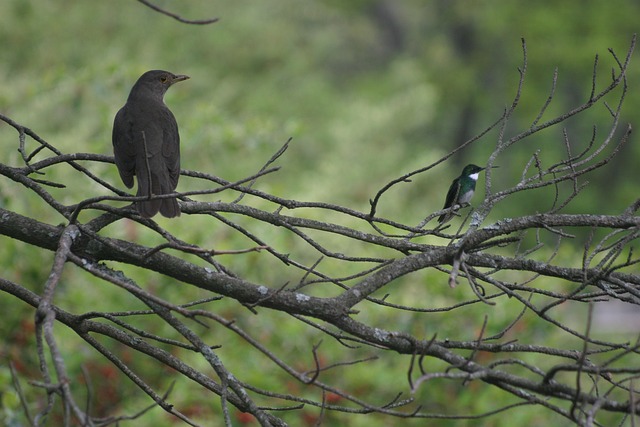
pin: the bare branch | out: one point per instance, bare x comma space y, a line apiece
374, 287
177, 17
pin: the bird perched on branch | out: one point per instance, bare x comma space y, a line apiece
146, 143
461, 191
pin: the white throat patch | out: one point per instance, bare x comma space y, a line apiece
474, 176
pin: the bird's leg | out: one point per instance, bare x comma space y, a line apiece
457, 206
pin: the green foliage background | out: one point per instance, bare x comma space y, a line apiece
369, 90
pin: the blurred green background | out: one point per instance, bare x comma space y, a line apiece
369, 90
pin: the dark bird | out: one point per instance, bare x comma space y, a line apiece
461, 191
146, 143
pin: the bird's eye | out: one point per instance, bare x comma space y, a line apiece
164, 79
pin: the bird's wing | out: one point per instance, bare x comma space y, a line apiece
452, 194
171, 146
123, 147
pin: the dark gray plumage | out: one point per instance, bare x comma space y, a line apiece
146, 143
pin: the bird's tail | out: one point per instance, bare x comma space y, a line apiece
160, 185
170, 208
167, 207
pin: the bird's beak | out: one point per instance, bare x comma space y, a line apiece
492, 167
178, 78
